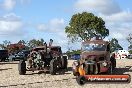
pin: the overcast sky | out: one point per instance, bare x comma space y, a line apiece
28, 19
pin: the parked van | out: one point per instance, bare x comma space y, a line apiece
121, 54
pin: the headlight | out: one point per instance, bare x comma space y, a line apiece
75, 63
104, 64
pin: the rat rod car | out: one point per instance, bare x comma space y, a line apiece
44, 58
95, 59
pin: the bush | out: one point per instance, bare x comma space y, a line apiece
130, 51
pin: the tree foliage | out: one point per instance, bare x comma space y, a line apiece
21, 45
5, 44
86, 26
22, 42
130, 51
69, 53
115, 45
129, 39
34, 43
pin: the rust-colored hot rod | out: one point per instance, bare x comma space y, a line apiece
95, 59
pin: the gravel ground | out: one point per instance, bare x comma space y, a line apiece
10, 78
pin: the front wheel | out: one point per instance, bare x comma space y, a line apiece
22, 67
53, 67
81, 80
75, 73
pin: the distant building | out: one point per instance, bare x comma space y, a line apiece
20, 46
15, 47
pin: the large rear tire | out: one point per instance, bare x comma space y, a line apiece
64, 62
53, 67
22, 67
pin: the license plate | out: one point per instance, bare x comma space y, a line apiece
90, 63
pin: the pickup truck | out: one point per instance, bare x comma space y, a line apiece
3, 55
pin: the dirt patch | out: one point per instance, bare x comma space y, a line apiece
11, 79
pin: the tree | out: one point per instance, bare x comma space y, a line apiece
69, 47
69, 53
22, 42
85, 26
114, 45
130, 47
129, 39
5, 44
34, 43
130, 51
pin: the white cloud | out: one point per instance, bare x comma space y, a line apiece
55, 28
119, 24
56, 22
99, 6
117, 35
10, 17
54, 25
41, 27
11, 24
8, 4
124, 16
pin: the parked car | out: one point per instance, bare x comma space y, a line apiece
3, 55
25, 52
75, 56
16, 57
19, 56
129, 56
